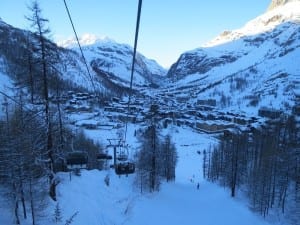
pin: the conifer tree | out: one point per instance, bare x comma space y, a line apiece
46, 57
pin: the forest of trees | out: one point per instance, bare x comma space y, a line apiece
24, 168
157, 157
264, 164
34, 139
156, 160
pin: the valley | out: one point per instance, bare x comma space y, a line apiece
214, 139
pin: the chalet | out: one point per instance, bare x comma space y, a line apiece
204, 108
207, 102
114, 109
88, 124
84, 108
178, 122
296, 110
167, 114
183, 98
72, 102
106, 103
213, 128
81, 98
70, 108
211, 117
115, 99
70, 93
240, 121
135, 108
189, 123
269, 113
127, 118
192, 112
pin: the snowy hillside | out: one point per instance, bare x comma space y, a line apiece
247, 68
93, 202
6, 86
108, 56
289, 12
70, 67
210, 94
109, 63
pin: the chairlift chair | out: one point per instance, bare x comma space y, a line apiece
103, 156
77, 160
125, 168
123, 165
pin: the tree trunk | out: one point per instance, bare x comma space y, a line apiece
16, 212
23, 203
31, 203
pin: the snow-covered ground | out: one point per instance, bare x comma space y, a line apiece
5, 88
176, 203
181, 202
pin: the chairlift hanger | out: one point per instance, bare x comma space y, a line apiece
133, 64
128, 167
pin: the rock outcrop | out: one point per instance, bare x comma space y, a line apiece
276, 3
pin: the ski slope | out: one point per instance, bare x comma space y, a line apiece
92, 202
177, 203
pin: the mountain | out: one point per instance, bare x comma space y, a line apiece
248, 68
15, 48
109, 63
243, 69
113, 60
277, 3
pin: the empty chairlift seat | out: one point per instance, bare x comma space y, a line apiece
77, 160
124, 168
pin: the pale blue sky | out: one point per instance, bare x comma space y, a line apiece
168, 27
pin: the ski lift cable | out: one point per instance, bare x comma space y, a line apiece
21, 104
133, 59
132, 65
79, 45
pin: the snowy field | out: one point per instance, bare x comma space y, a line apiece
177, 203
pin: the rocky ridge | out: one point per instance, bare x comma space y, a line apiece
248, 67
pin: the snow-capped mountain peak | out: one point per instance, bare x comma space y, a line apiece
85, 39
262, 55
277, 3
112, 59
283, 11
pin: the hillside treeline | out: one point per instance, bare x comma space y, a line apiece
264, 164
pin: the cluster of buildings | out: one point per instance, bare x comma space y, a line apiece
202, 115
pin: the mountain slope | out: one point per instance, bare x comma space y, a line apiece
115, 60
277, 3
251, 66
109, 63
16, 47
